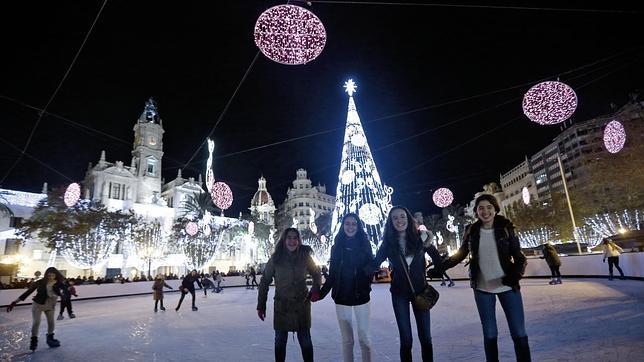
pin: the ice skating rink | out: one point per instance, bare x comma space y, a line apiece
580, 320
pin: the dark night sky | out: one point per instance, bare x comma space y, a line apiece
190, 56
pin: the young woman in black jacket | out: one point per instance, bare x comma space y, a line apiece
496, 266
350, 254
404, 248
47, 290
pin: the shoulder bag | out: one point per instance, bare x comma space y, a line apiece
427, 298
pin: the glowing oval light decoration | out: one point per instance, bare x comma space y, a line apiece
221, 195
369, 214
614, 137
443, 197
72, 194
251, 228
192, 228
348, 176
525, 194
549, 103
289, 34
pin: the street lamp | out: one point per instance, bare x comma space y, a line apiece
572, 216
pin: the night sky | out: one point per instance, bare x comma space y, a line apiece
419, 70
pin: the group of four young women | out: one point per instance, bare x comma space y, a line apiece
496, 265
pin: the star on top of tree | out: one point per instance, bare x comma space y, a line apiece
350, 87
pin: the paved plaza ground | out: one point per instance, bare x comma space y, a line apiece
580, 320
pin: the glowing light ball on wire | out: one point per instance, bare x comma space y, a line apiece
614, 137
289, 34
192, 228
72, 194
221, 195
443, 197
549, 103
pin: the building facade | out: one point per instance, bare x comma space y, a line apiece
305, 202
262, 208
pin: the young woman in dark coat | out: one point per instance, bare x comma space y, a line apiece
496, 266
404, 248
47, 289
553, 261
188, 286
350, 254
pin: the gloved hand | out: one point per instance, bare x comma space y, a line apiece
10, 307
261, 314
315, 295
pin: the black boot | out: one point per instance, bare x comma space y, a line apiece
522, 349
491, 350
51, 342
427, 352
33, 344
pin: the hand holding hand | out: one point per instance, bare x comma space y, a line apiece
10, 307
261, 314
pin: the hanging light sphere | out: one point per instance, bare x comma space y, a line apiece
221, 195
443, 197
525, 194
72, 194
192, 228
614, 137
289, 34
549, 102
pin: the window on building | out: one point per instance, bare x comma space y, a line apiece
36, 254
150, 167
12, 246
15, 221
116, 191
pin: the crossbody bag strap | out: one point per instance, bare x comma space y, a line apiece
404, 263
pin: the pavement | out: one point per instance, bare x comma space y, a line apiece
579, 320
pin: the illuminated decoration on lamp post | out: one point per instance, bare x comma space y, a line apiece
210, 176
525, 194
221, 195
549, 103
359, 188
289, 34
251, 228
614, 137
192, 228
72, 194
443, 197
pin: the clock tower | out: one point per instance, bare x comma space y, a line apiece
147, 154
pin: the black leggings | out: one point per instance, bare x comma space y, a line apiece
614, 260
554, 269
156, 303
183, 295
66, 303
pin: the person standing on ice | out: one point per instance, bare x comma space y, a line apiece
289, 265
188, 286
157, 295
48, 289
350, 254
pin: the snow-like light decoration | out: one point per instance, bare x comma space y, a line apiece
609, 224
443, 197
537, 237
148, 244
525, 194
251, 228
422, 228
72, 194
199, 251
210, 176
450, 224
323, 238
221, 195
21, 198
614, 136
439, 238
549, 102
192, 228
289, 34
359, 187
206, 230
91, 250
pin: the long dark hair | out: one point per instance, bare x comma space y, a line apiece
59, 276
361, 235
280, 248
412, 237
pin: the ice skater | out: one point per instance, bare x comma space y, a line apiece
552, 259
157, 294
207, 284
612, 251
48, 289
253, 278
247, 276
188, 286
218, 279
289, 265
66, 299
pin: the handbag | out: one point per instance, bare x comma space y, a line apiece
427, 298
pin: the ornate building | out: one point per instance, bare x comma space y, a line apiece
305, 202
262, 207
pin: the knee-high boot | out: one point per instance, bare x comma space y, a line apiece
491, 350
522, 349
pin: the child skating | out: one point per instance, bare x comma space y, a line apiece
157, 295
66, 300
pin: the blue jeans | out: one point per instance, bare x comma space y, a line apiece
303, 336
512, 305
401, 311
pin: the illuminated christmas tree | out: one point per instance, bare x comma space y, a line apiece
360, 189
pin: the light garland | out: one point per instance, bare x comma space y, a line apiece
221, 195
290, 35
92, 250
537, 237
72, 194
210, 176
525, 195
549, 103
443, 197
609, 224
614, 137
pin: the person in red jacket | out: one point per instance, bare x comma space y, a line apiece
66, 299
47, 291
